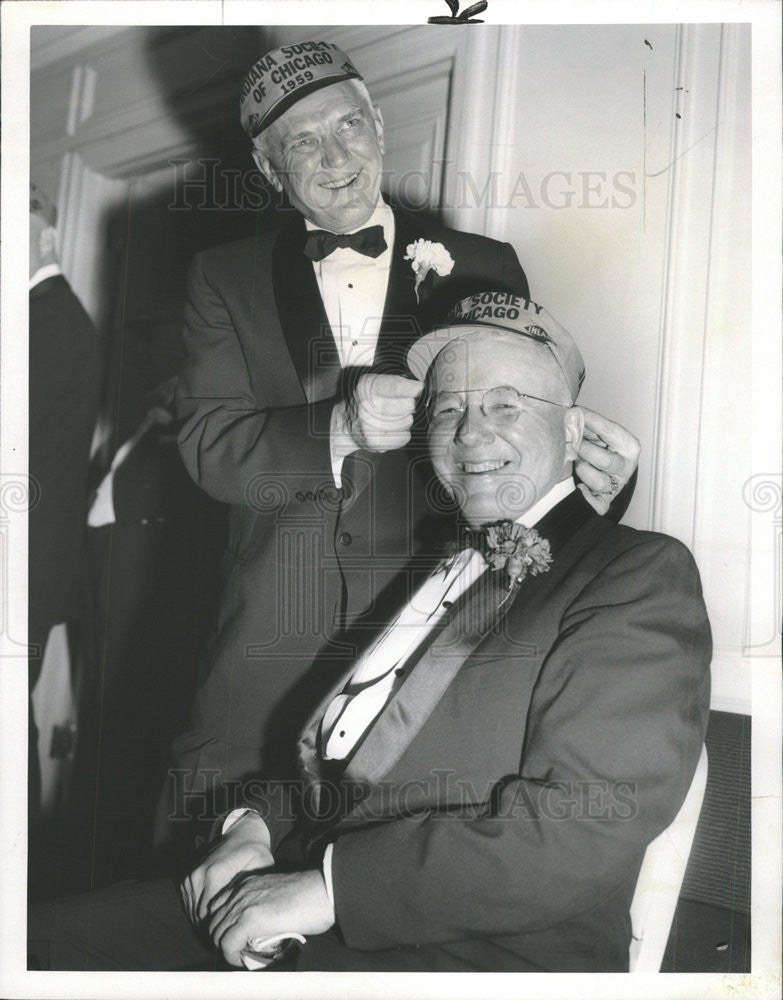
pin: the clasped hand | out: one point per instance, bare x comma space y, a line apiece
230, 894
257, 907
380, 415
245, 847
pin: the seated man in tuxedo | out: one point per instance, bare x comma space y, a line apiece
479, 788
296, 408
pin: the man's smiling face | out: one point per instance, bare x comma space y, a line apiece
498, 469
326, 153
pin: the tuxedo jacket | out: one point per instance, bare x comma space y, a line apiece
64, 391
304, 559
496, 814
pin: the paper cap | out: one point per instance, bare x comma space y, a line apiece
507, 316
287, 74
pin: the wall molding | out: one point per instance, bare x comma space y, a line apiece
474, 106
683, 314
701, 463
52, 46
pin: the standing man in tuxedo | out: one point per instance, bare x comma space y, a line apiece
297, 408
64, 392
479, 788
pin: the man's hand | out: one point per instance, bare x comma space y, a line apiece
244, 848
260, 906
608, 456
380, 415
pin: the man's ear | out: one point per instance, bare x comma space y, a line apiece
377, 117
264, 164
574, 426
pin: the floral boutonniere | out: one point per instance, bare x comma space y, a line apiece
426, 256
518, 550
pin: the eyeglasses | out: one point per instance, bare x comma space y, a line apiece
501, 405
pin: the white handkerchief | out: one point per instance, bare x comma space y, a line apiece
263, 951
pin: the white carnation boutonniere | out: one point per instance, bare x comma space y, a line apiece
518, 550
426, 256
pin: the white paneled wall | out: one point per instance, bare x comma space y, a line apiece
619, 167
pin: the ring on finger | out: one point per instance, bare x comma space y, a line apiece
614, 484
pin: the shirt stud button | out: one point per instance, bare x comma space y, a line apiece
399, 672
447, 604
342, 732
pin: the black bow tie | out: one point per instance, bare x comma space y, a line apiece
369, 241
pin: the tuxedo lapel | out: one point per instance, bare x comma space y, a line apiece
303, 319
480, 609
400, 325
473, 615
561, 523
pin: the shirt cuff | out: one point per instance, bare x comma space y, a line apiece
341, 444
327, 871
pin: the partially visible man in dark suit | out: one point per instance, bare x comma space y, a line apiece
64, 393
297, 407
153, 546
480, 786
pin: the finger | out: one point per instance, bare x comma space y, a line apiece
373, 422
195, 882
383, 406
187, 903
222, 897
389, 386
595, 438
602, 459
224, 917
599, 502
612, 433
595, 480
393, 414
233, 941
208, 890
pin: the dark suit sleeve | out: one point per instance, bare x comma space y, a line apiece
513, 277
620, 503
229, 442
616, 724
64, 392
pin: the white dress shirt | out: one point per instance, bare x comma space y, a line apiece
353, 289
